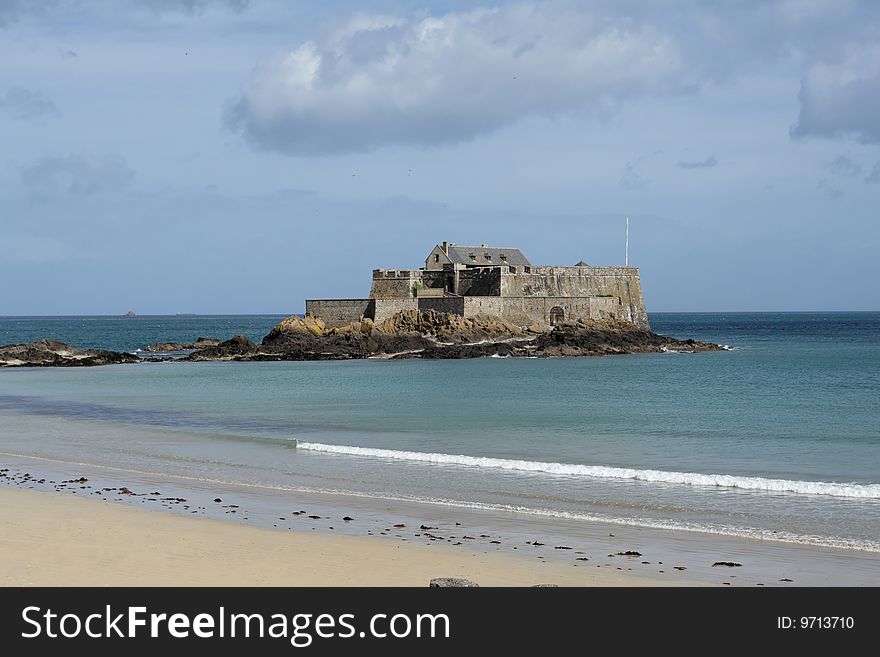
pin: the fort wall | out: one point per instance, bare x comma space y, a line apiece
339, 312
385, 308
525, 298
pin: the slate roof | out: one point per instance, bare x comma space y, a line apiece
497, 256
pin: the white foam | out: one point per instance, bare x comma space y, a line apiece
862, 491
648, 523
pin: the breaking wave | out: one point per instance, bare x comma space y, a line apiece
852, 490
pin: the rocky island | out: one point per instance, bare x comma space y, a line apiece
406, 334
432, 335
466, 302
51, 353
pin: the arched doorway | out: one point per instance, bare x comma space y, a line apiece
557, 315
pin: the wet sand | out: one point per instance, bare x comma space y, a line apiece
101, 526
51, 539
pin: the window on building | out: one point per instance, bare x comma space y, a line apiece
473, 257
503, 257
488, 256
436, 257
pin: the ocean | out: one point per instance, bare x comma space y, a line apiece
777, 438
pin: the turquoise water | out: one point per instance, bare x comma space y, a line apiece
779, 437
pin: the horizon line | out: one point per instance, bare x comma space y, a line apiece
288, 314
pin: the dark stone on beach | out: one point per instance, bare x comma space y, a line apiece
425, 527
217, 499
400, 525
450, 582
785, 579
315, 517
346, 519
679, 568
627, 553
581, 558
561, 547
727, 564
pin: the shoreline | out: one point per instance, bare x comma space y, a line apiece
479, 542
56, 540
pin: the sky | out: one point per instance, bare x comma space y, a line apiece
239, 156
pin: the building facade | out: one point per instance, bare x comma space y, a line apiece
489, 281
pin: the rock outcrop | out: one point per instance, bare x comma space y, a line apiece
49, 353
407, 334
434, 335
231, 349
200, 343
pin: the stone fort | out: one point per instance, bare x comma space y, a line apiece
489, 281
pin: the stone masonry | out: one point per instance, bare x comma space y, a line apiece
491, 281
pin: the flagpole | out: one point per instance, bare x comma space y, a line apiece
626, 255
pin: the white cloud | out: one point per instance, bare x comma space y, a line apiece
383, 80
842, 98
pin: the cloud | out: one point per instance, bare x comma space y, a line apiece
27, 105
874, 176
13, 10
195, 7
829, 188
844, 167
77, 175
708, 163
382, 80
842, 99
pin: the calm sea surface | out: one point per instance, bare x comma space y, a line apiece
779, 437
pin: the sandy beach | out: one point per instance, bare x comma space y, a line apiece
63, 529
52, 539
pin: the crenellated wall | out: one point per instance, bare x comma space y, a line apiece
527, 298
621, 285
535, 311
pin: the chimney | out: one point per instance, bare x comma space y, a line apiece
484, 246
446, 247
